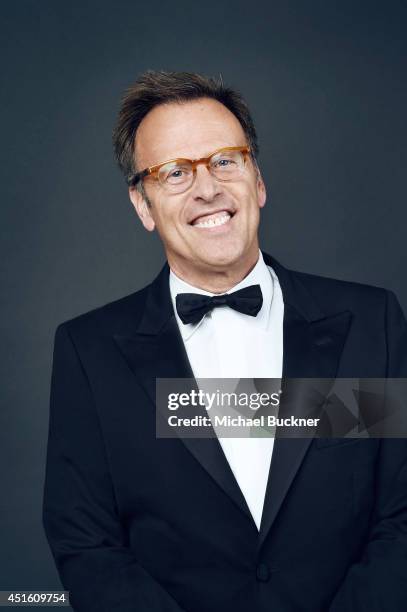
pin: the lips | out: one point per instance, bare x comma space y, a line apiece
213, 219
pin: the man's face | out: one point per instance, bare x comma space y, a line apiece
194, 130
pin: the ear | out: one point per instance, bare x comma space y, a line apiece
142, 209
261, 191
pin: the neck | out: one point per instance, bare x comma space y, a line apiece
216, 280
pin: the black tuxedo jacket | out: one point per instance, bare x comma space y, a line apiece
140, 524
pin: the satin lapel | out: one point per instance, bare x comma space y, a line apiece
156, 350
313, 345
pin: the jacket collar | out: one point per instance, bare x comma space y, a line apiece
159, 308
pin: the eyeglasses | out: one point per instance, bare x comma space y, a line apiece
177, 175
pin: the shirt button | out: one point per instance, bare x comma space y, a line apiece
262, 573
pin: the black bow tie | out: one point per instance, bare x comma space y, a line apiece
191, 307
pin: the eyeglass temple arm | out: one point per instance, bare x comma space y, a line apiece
136, 178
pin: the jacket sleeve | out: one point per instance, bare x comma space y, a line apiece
79, 510
377, 582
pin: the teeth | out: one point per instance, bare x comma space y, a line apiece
214, 222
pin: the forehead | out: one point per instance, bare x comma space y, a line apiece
190, 129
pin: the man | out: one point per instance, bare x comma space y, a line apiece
140, 523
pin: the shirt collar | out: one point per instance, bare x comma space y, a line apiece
260, 275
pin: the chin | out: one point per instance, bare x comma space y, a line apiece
222, 257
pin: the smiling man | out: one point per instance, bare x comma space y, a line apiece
207, 217
139, 523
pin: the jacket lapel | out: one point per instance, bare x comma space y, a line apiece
156, 350
313, 344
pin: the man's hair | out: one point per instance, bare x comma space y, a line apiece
154, 88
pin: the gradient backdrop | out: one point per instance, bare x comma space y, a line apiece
326, 81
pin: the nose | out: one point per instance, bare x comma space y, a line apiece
205, 187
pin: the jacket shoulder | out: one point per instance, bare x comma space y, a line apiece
328, 292
115, 317
335, 293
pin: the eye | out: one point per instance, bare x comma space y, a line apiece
225, 162
175, 173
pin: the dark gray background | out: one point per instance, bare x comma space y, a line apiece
326, 83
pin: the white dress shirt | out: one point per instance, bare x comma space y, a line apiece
229, 344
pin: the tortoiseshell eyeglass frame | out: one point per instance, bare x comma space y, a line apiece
139, 176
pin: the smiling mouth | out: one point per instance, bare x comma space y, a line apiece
214, 220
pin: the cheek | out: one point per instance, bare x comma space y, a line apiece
162, 216
254, 203
170, 226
